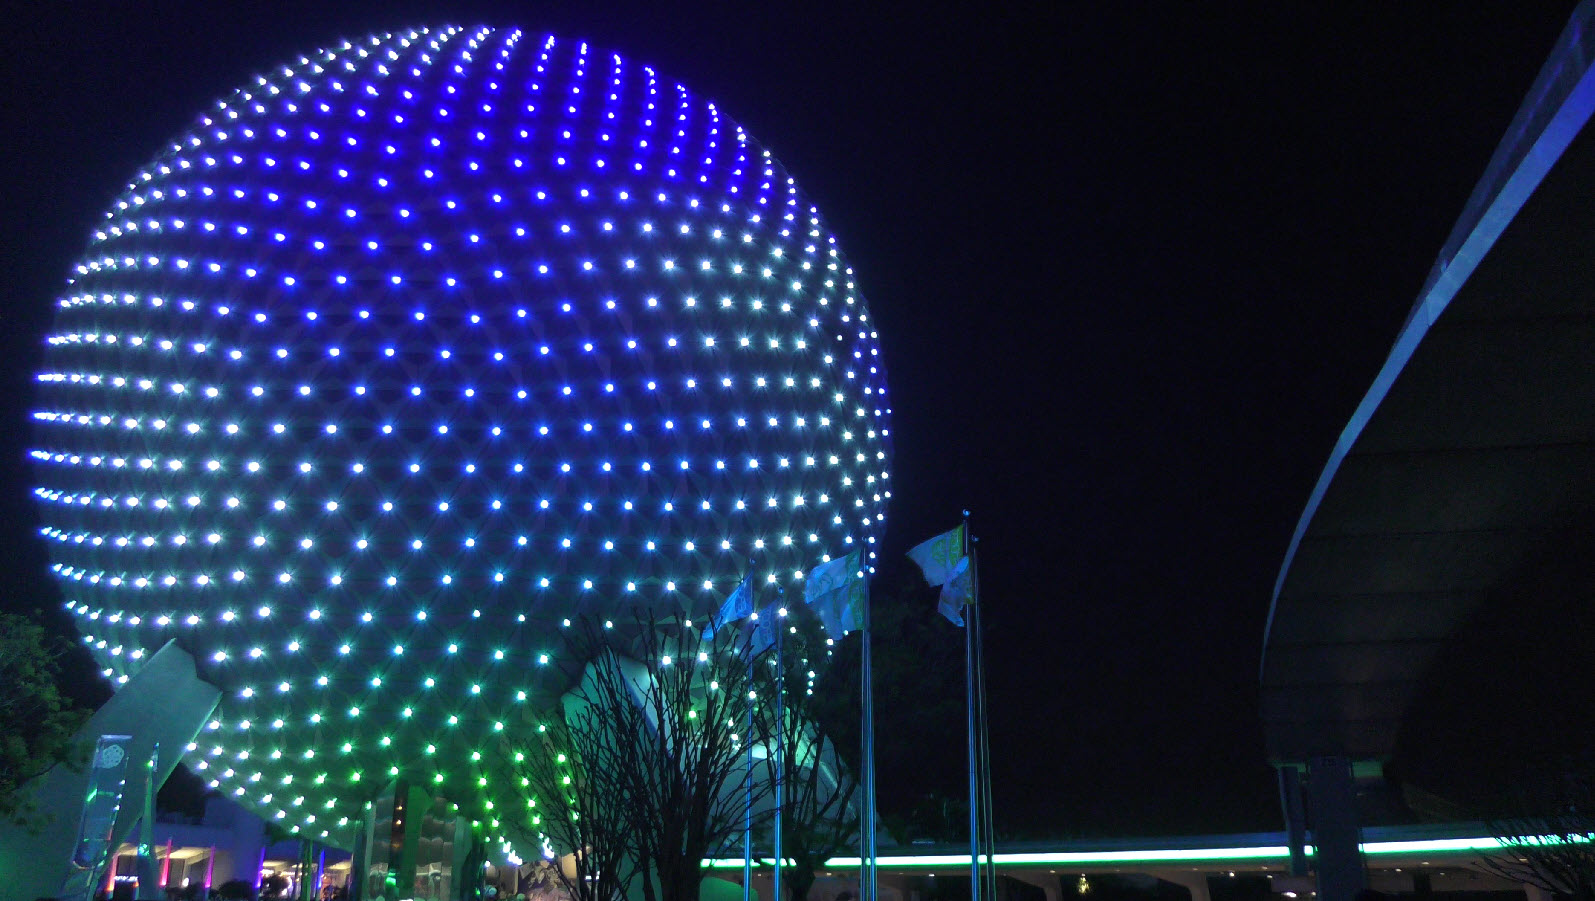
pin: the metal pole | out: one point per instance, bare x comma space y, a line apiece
988, 823
870, 888
970, 698
747, 813
870, 716
780, 750
747, 778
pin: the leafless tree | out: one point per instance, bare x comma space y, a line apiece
1547, 834
573, 806
641, 774
818, 817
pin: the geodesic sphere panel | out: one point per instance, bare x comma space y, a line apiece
413, 348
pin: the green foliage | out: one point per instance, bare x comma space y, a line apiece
36, 723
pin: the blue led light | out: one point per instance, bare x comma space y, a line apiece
342, 442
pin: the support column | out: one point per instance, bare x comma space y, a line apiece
248, 850
1290, 803
1332, 796
355, 886
469, 853
393, 835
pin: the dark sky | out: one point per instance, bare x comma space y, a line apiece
1133, 266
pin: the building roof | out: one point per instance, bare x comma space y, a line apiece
1472, 453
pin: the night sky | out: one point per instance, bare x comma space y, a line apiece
1133, 266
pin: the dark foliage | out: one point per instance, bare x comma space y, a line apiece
37, 724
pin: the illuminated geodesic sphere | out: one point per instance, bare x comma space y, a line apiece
409, 350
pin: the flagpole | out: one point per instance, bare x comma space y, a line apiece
989, 825
868, 887
780, 752
747, 784
970, 697
747, 813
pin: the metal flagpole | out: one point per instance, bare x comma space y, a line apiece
868, 886
988, 823
747, 812
780, 750
974, 748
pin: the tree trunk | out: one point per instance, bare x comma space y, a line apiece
798, 880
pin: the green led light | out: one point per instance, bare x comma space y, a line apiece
343, 653
1434, 846
1151, 856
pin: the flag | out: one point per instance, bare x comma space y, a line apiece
959, 591
738, 604
836, 592
842, 610
938, 556
828, 577
764, 629
945, 561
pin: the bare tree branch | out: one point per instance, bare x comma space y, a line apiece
818, 819
1547, 832
641, 774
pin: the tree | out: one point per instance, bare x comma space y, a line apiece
235, 890
575, 802
818, 820
640, 774
37, 724
1546, 828
918, 664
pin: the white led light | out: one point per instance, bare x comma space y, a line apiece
346, 349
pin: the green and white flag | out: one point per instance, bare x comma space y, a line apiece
946, 563
938, 556
958, 592
837, 592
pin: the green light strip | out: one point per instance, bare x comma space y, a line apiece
1179, 855
1434, 846
1172, 855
